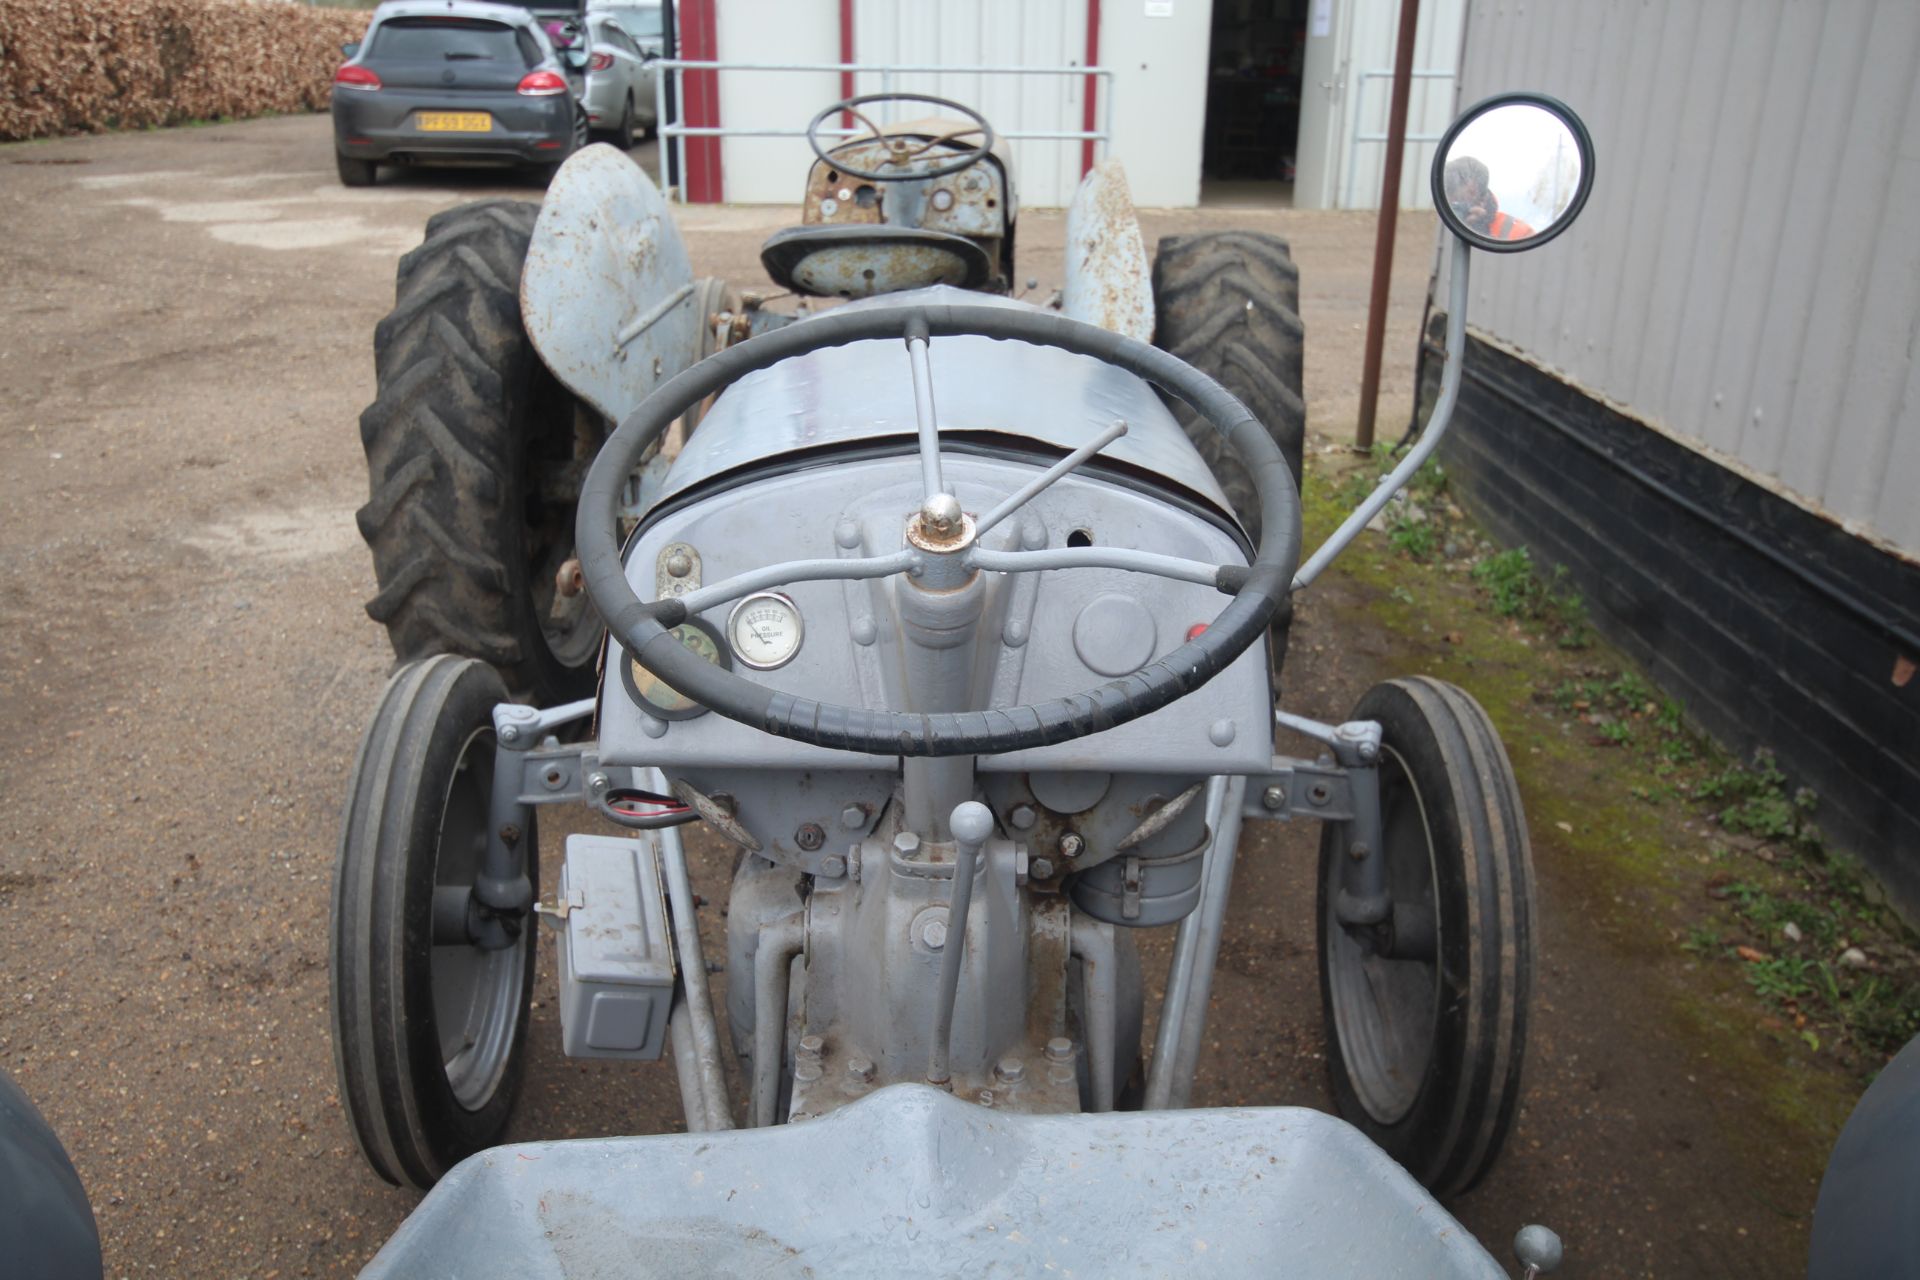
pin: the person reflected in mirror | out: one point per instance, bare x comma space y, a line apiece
1470, 192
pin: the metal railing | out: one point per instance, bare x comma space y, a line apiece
677, 133
1359, 106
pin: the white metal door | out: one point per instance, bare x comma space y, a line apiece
1344, 97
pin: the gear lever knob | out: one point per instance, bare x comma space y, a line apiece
1538, 1249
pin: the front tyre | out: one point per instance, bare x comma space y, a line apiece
428, 1028
1424, 1053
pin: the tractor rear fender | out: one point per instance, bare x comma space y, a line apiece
1108, 281
608, 292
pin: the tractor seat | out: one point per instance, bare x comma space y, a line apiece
859, 261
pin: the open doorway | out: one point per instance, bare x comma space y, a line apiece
1254, 58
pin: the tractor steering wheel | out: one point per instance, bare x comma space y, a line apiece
900, 148
943, 544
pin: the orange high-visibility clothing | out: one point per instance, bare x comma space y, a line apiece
1504, 226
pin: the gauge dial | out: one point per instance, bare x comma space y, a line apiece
656, 696
765, 630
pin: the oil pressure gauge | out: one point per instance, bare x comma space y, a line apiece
765, 630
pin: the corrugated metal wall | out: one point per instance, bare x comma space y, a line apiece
991, 33
1746, 276
1158, 55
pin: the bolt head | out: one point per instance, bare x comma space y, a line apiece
679, 564
1010, 1070
833, 867
807, 1070
1059, 1049
1023, 817
509, 733
941, 512
812, 1046
853, 817
907, 843
598, 782
860, 1069
934, 934
1274, 797
1041, 869
1071, 845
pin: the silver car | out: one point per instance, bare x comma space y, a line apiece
620, 75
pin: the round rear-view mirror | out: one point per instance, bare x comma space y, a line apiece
1512, 172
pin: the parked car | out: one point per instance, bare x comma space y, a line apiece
620, 82
641, 21
456, 82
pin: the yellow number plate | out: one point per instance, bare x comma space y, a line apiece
454, 122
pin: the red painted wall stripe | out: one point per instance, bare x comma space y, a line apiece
1087, 114
700, 106
846, 55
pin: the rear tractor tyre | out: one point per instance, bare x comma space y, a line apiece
475, 454
1424, 1054
428, 1029
355, 173
1228, 303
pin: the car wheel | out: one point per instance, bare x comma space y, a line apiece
623, 136
355, 173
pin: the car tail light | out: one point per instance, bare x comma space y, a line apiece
542, 84
352, 76
600, 62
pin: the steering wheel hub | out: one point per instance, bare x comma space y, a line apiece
940, 526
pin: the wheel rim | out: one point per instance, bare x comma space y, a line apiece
476, 992
569, 626
1386, 1012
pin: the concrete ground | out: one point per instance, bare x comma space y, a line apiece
187, 667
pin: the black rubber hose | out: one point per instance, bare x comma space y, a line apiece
1258, 590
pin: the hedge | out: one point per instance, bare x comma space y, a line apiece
82, 66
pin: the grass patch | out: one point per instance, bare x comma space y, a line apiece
1794, 951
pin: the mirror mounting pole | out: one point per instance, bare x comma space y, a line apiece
1429, 440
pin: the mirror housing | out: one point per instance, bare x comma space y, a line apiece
1512, 172
575, 58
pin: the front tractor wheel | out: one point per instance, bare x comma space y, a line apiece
1424, 1046
428, 1025
475, 454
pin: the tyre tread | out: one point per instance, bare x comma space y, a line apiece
1497, 872
1228, 303
446, 437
